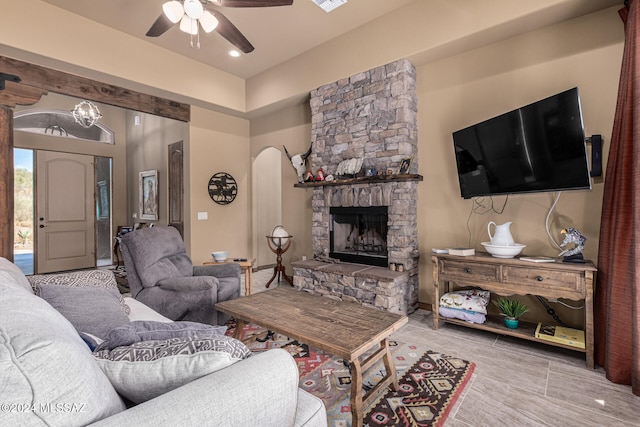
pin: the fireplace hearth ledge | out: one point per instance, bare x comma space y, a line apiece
376, 287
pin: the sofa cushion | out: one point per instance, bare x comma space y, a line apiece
148, 330
96, 311
45, 363
84, 278
147, 369
13, 273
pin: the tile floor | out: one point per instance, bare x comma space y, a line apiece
516, 383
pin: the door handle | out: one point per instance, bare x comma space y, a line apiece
42, 226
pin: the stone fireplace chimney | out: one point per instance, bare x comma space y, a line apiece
370, 116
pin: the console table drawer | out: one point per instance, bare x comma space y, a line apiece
457, 270
538, 279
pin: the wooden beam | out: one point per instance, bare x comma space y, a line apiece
63, 83
6, 183
20, 94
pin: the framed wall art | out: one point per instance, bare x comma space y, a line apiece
149, 195
405, 165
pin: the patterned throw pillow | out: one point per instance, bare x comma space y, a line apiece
148, 369
98, 278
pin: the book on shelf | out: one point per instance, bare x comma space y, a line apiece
560, 334
462, 251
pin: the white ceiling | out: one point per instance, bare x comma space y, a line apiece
277, 33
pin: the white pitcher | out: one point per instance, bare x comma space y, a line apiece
502, 235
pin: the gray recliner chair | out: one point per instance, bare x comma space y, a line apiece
162, 276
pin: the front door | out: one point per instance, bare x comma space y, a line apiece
65, 219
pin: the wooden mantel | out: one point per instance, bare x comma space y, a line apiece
376, 179
25, 84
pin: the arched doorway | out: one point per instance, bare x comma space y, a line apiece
266, 171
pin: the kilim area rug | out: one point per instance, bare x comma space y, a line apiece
430, 382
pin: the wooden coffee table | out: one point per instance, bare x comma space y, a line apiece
344, 329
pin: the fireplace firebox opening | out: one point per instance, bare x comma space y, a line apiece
359, 235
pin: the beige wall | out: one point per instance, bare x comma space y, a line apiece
266, 189
468, 88
290, 127
147, 149
217, 143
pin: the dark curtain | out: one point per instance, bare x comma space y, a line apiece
617, 297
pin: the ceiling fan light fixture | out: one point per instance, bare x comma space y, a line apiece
208, 21
234, 53
173, 10
193, 9
189, 26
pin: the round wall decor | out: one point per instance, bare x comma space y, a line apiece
222, 188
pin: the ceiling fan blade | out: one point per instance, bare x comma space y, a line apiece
230, 32
159, 27
252, 3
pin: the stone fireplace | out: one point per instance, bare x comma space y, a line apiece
359, 234
369, 116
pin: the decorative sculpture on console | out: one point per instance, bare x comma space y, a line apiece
299, 162
573, 235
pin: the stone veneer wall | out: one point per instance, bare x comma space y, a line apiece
371, 115
402, 236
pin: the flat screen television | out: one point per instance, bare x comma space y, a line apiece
539, 147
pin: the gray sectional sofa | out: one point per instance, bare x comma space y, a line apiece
49, 375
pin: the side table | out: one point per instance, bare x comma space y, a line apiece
245, 266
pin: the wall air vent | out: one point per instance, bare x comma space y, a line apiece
329, 5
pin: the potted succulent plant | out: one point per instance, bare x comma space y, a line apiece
511, 309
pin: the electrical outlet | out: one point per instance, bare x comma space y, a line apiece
552, 299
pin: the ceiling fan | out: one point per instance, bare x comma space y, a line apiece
193, 14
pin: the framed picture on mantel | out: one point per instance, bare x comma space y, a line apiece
405, 165
149, 195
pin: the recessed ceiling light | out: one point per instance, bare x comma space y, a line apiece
329, 5
234, 53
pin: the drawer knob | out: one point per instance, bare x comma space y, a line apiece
467, 270
539, 278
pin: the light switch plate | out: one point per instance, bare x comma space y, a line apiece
203, 215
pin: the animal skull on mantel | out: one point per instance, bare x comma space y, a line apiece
299, 162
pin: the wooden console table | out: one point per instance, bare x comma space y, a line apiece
515, 277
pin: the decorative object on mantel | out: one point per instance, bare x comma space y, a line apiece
349, 167
573, 235
405, 165
320, 175
376, 179
309, 176
279, 242
329, 178
299, 162
223, 188
86, 114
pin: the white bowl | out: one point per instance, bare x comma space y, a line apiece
219, 256
500, 251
